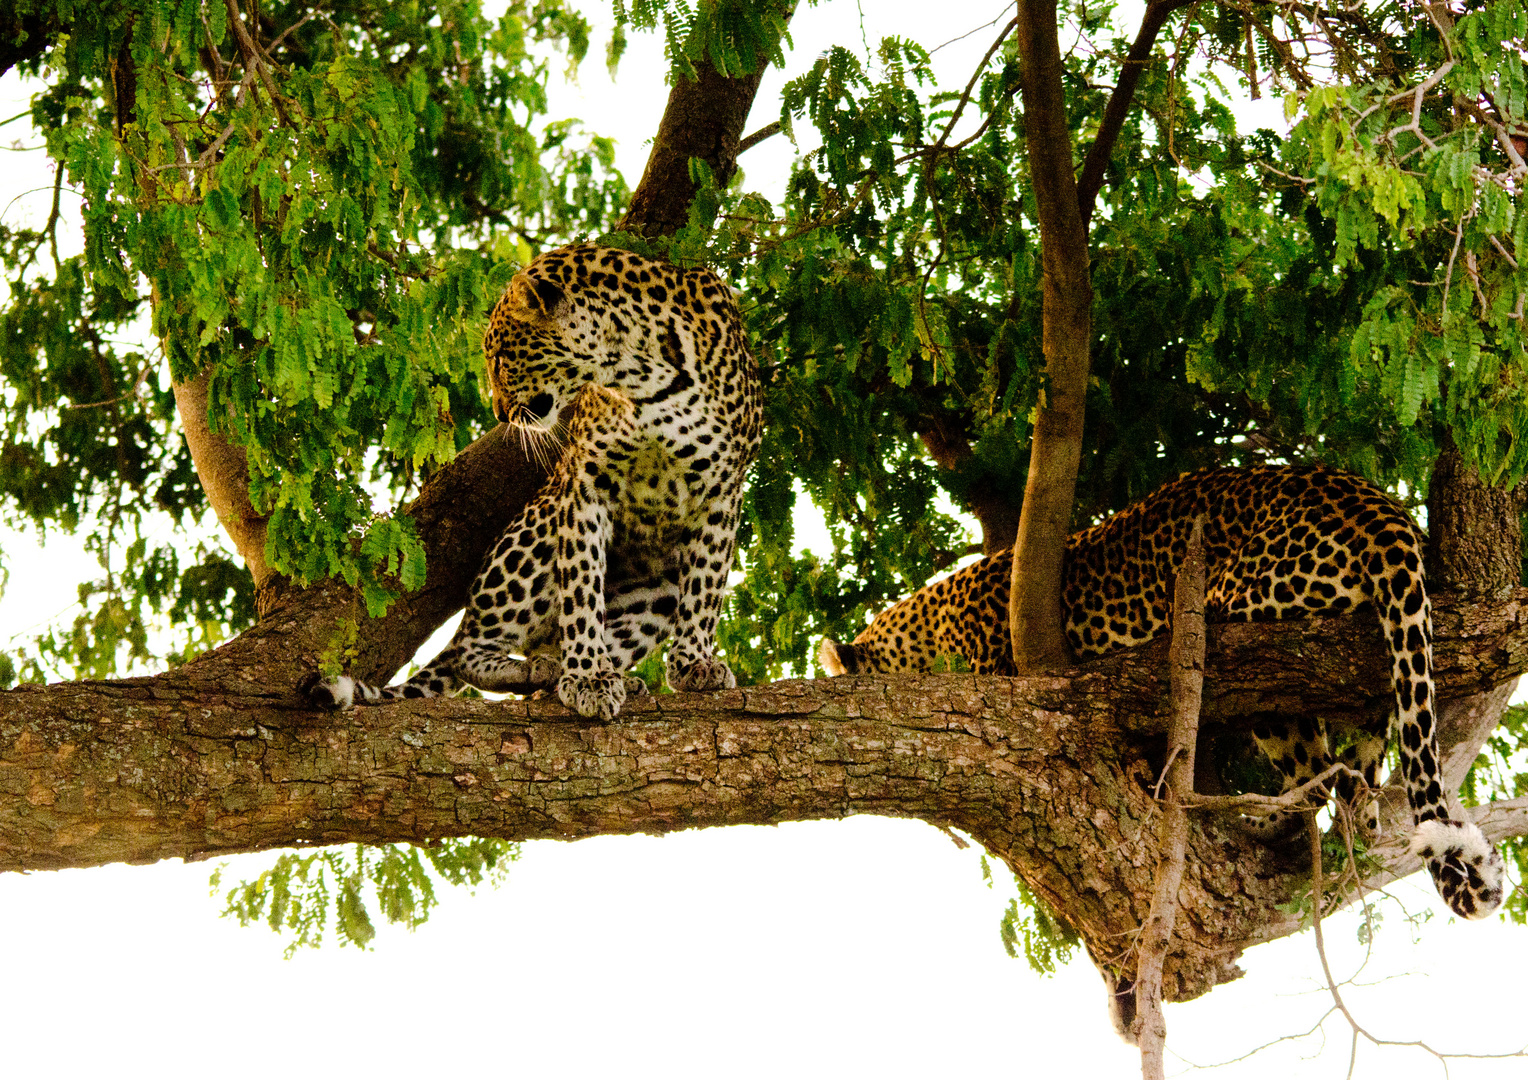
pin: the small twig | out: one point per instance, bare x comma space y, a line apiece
934, 151
1448, 276
1313, 833
1292, 799
1497, 245
51, 228
254, 58
1281, 47
750, 141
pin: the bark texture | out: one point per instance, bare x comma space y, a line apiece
1475, 530
1053, 774
1067, 334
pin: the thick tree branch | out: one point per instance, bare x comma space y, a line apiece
704, 119
460, 512
991, 504
1475, 531
224, 475
1053, 774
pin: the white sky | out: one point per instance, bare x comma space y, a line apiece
860, 948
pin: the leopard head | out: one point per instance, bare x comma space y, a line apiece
532, 349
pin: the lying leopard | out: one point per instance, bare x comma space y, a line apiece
630, 541
1280, 541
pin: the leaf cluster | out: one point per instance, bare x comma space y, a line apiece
313, 207
335, 890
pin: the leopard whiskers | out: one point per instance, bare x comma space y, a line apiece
540, 445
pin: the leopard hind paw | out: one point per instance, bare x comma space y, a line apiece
701, 675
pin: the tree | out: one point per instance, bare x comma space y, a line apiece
313, 208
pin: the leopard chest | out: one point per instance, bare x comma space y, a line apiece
656, 495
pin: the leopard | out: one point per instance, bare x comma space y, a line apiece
1280, 542
635, 377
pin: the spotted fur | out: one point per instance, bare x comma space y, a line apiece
631, 540
1280, 541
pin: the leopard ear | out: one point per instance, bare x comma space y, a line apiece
533, 300
837, 659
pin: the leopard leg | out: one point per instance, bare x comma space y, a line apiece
1298, 750
589, 684
508, 611
1365, 756
705, 561
639, 618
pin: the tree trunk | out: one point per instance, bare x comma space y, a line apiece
1056, 446
1475, 531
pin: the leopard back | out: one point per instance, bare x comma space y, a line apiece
1280, 542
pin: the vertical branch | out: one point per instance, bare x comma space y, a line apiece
1034, 614
1118, 107
1186, 660
224, 474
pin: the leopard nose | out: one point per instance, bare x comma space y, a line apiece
540, 405
501, 410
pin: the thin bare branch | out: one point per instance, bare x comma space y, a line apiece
1186, 662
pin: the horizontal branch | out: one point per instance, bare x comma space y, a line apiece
1052, 774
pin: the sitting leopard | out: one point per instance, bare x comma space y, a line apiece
1280, 541
630, 541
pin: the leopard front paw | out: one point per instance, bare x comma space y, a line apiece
707, 673
595, 696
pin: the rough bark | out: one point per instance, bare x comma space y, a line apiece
1475, 530
1056, 446
1475, 545
1053, 774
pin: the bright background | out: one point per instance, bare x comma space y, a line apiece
867, 947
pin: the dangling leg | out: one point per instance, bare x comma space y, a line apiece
1298, 751
1364, 755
